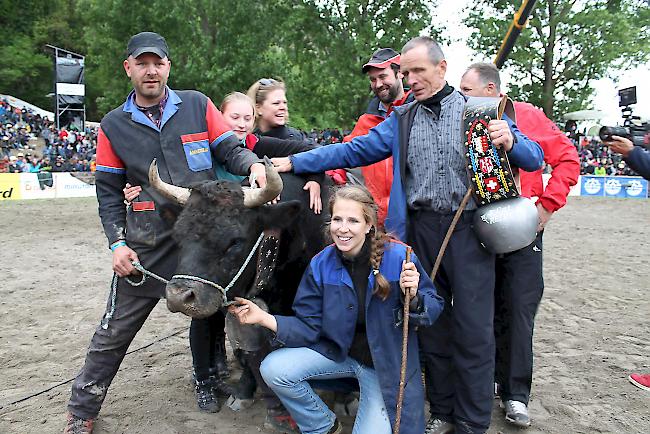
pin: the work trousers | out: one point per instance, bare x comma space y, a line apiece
106, 352
517, 295
458, 350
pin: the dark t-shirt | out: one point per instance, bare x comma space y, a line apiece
359, 270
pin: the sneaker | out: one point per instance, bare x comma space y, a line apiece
78, 425
517, 413
336, 428
206, 399
438, 426
280, 421
642, 381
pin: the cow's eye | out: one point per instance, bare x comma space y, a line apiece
235, 243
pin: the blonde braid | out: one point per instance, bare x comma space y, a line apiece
378, 239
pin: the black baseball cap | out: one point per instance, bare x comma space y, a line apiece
381, 59
147, 42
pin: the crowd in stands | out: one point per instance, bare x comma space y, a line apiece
597, 159
70, 150
327, 136
65, 150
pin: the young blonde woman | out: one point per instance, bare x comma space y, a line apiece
272, 114
272, 111
346, 324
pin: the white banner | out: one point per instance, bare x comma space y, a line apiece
46, 185
70, 89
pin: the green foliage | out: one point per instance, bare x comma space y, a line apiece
216, 46
565, 45
26, 68
326, 84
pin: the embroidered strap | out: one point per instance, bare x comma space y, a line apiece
488, 166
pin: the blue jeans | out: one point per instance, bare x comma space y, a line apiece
287, 370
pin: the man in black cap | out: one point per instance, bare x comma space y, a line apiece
386, 83
185, 132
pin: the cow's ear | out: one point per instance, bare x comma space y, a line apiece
281, 215
169, 213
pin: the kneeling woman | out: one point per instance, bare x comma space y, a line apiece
348, 308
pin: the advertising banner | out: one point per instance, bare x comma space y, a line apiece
614, 186
46, 185
10, 186
74, 184
592, 186
37, 185
626, 186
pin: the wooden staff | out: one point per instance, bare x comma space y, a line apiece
405, 338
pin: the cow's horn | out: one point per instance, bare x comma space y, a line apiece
258, 196
178, 194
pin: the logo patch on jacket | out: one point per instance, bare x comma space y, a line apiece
197, 151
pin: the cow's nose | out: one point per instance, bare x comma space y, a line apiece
187, 296
179, 297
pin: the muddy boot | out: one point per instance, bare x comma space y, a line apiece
220, 387
78, 425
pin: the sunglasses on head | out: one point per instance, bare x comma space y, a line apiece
266, 81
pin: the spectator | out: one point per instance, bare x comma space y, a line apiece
60, 165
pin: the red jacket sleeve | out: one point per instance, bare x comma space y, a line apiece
559, 153
217, 127
107, 160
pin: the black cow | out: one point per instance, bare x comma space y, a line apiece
219, 225
216, 230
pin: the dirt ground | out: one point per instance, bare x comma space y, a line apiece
592, 330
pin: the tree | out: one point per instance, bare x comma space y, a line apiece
316, 47
26, 68
215, 46
566, 44
328, 42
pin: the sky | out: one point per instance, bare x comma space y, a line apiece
448, 15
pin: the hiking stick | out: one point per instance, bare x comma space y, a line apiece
405, 337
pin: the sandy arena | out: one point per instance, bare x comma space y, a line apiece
592, 331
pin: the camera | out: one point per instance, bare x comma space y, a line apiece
635, 133
632, 128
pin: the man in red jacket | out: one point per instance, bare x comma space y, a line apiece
386, 83
519, 279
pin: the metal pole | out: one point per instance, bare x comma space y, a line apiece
518, 23
56, 91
